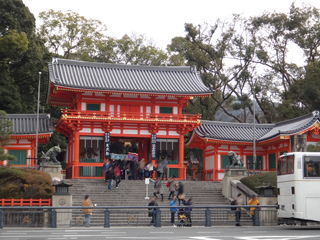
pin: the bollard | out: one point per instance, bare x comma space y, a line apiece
106, 218
53, 218
1, 218
208, 222
157, 222
256, 219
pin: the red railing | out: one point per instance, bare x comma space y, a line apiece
133, 116
24, 202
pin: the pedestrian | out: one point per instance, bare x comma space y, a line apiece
110, 177
171, 185
158, 189
180, 192
87, 211
188, 209
253, 202
141, 169
105, 167
149, 169
151, 210
117, 175
239, 201
173, 209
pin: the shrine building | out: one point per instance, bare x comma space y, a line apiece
216, 139
123, 112
22, 141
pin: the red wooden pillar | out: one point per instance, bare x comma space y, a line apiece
216, 163
182, 170
76, 154
33, 153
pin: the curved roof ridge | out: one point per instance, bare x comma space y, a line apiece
237, 124
123, 66
306, 116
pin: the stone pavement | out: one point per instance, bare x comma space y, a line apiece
165, 233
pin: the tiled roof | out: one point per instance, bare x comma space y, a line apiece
27, 123
127, 78
231, 131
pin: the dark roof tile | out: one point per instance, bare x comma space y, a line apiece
231, 131
27, 123
129, 78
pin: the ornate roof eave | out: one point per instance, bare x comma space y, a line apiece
82, 90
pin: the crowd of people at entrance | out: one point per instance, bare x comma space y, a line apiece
115, 170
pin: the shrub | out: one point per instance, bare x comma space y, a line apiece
24, 183
260, 180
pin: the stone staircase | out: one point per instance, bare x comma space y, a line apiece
133, 193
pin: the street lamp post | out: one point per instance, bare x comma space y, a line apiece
37, 126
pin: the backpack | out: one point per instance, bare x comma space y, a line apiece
233, 202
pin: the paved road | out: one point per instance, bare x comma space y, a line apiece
165, 233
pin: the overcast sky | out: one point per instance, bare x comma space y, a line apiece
161, 20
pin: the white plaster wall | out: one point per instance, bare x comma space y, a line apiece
141, 109
148, 110
83, 106
98, 130
175, 110
173, 133
24, 141
111, 108
130, 131
162, 133
157, 109
208, 148
145, 132
116, 131
209, 162
85, 130
103, 107
12, 141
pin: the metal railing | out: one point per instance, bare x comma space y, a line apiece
108, 216
132, 116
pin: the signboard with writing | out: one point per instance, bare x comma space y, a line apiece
107, 144
153, 146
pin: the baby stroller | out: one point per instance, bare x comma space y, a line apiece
183, 220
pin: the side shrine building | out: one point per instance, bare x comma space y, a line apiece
216, 139
123, 112
22, 141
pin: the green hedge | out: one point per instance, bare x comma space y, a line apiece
24, 183
260, 180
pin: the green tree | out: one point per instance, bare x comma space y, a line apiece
131, 50
71, 35
5, 131
22, 56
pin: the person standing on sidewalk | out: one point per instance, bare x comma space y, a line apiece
152, 211
254, 202
239, 201
173, 209
87, 211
